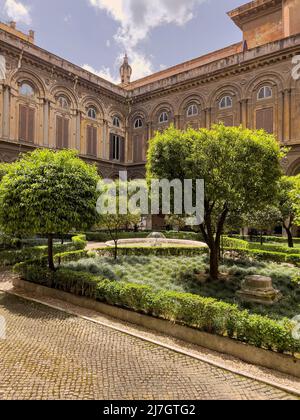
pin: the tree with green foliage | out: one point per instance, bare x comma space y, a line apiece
48, 193
3, 170
114, 211
240, 168
262, 219
287, 205
176, 221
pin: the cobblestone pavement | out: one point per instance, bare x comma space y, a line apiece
49, 354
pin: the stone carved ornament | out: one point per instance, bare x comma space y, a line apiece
2, 68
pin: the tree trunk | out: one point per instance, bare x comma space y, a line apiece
214, 263
290, 237
50, 252
116, 250
261, 238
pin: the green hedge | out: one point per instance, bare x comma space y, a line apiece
274, 248
279, 257
266, 239
8, 258
156, 251
205, 314
228, 242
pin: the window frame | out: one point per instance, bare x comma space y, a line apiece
225, 98
163, 121
116, 152
116, 122
92, 109
193, 107
25, 95
264, 89
63, 98
141, 125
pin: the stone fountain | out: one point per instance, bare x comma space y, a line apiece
157, 238
259, 289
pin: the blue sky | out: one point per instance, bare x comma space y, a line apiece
155, 33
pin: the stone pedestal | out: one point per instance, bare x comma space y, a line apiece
259, 289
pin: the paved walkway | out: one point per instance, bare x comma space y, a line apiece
49, 354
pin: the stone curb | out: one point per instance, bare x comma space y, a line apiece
249, 354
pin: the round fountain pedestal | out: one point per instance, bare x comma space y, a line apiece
259, 289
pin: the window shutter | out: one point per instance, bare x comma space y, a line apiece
31, 122
111, 147
66, 133
227, 120
138, 149
122, 149
59, 132
265, 120
94, 141
89, 139
22, 123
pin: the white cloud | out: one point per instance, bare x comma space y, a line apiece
17, 11
104, 72
137, 18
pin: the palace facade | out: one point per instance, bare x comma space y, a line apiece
46, 101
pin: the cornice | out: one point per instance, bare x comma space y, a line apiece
51, 63
236, 64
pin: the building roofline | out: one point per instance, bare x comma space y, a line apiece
248, 11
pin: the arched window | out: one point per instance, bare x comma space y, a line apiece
163, 118
226, 102
192, 111
26, 90
92, 113
116, 122
264, 93
63, 102
138, 123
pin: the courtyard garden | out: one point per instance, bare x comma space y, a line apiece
191, 278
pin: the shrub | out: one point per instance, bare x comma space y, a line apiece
205, 314
156, 251
228, 242
8, 258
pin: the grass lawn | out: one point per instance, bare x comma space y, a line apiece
188, 274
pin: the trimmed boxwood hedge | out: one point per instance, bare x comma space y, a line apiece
205, 314
279, 257
266, 239
8, 258
156, 251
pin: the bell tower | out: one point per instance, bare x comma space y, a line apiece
125, 71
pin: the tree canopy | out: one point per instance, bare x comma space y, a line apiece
47, 192
240, 168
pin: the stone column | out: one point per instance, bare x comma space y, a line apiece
46, 122
177, 121
78, 131
208, 118
244, 104
286, 115
6, 111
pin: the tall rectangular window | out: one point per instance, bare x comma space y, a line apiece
265, 120
62, 133
26, 123
91, 140
117, 148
